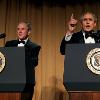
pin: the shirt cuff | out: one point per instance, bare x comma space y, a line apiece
68, 37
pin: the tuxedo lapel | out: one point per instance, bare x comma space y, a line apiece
78, 38
27, 43
81, 40
81, 37
15, 43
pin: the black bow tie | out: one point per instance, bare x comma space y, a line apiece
21, 42
89, 34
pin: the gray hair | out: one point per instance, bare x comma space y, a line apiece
28, 25
94, 16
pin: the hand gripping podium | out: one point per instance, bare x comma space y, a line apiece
13, 75
82, 67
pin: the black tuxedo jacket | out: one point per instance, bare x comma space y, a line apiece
78, 38
31, 58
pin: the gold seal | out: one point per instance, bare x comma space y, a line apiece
93, 60
2, 62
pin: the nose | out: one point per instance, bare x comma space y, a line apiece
19, 31
87, 21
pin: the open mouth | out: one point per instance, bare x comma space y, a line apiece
87, 26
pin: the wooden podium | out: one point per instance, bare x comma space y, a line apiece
80, 95
80, 82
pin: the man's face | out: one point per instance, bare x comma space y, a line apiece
88, 23
22, 31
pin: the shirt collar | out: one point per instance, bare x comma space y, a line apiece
24, 40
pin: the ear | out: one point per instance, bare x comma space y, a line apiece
29, 32
80, 24
95, 24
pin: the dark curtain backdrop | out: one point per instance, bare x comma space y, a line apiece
49, 23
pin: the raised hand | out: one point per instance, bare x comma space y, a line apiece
72, 24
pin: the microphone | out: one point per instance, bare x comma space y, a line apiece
2, 35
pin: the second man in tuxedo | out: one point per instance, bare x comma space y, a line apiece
87, 33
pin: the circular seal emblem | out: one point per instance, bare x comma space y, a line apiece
2, 62
93, 60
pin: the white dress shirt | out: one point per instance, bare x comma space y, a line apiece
21, 44
89, 39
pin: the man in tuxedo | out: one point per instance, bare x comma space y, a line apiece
31, 57
87, 33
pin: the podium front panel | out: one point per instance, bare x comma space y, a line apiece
13, 76
77, 76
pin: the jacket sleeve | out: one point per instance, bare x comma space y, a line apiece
63, 45
35, 53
